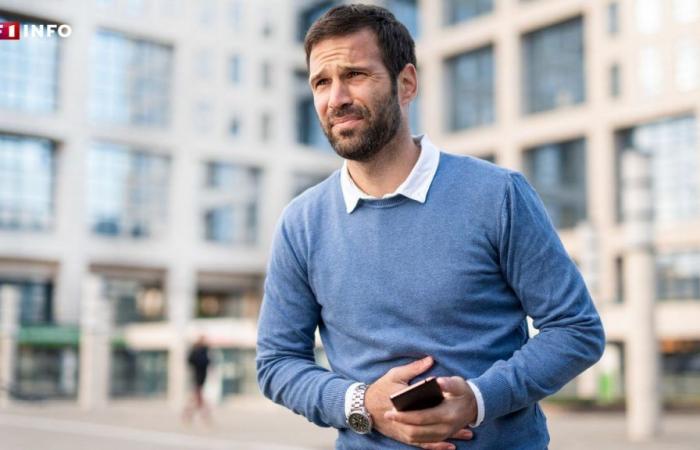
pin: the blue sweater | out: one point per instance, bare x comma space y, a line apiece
453, 278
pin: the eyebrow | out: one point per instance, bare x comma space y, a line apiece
314, 78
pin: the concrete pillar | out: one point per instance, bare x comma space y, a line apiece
9, 326
587, 382
181, 291
95, 344
642, 354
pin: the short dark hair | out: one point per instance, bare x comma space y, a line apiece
395, 42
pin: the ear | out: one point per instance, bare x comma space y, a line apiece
407, 84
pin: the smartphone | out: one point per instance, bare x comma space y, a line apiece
422, 395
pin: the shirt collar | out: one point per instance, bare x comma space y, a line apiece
415, 186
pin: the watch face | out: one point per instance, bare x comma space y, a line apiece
359, 423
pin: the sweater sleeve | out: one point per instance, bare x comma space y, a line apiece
551, 290
286, 369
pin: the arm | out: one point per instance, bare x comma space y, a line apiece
552, 292
286, 369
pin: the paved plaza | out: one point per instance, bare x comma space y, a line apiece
256, 424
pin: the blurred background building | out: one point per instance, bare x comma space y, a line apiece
145, 159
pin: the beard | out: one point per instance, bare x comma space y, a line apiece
363, 143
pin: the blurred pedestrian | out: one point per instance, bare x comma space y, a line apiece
198, 360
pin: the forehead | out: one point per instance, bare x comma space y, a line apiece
355, 48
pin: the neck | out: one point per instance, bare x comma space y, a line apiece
389, 168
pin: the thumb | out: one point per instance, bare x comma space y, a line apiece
453, 386
409, 371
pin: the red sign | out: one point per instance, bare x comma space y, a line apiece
9, 30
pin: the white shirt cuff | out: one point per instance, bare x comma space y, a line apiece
348, 398
479, 405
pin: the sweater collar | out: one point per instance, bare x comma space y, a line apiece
415, 186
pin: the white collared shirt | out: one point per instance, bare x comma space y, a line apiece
415, 187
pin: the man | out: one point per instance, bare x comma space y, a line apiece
412, 262
198, 360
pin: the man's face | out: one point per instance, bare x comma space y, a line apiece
354, 96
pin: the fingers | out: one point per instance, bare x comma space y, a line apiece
423, 417
453, 386
464, 434
438, 446
409, 371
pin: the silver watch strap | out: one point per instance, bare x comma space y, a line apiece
358, 398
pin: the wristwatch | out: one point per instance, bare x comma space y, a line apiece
359, 419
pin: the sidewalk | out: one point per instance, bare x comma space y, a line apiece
256, 424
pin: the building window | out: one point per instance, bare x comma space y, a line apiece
471, 89
266, 127
558, 173
303, 181
230, 200
235, 15
678, 276
138, 373
687, 65
235, 70
613, 18
686, 11
648, 15
238, 372
29, 75
651, 75
266, 70
234, 127
406, 12
615, 84
135, 300
50, 372
553, 74
130, 80
675, 169
35, 301
127, 191
27, 171
463, 10
309, 15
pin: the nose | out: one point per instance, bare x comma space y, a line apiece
339, 96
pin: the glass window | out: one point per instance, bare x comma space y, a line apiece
553, 74
35, 301
615, 86
649, 15
651, 75
235, 69
613, 18
471, 89
678, 276
464, 10
47, 372
27, 172
266, 69
230, 200
558, 173
406, 12
29, 75
131, 80
138, 373
266, 127
135, 300
309, 15
238, 371
303, 181
675, 170
127, 191
687, 65
234, 127
686, 11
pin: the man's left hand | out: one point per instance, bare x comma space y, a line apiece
441, 422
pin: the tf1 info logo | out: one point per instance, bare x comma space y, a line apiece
15, 30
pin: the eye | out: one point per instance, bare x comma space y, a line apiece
321, 82
354, 73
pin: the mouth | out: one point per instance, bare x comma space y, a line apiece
346, 121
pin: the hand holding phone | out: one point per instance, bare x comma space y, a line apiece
422, 395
